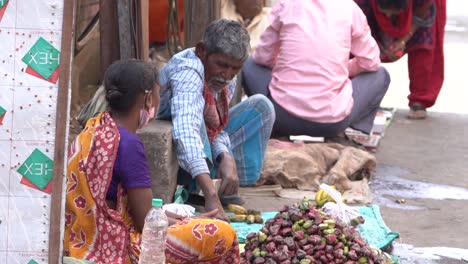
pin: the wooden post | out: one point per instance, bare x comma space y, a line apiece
109, 32
197, 15
61, 130
126, 34
143, 38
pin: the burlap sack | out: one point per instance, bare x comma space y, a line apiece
305, 166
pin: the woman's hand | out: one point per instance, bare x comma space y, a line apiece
210, 214
394, 52
398, 46
175, 218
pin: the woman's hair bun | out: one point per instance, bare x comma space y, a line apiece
113, 94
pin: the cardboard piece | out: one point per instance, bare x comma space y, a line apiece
382, 121
307, 139
264, 190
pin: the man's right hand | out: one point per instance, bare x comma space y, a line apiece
212, 201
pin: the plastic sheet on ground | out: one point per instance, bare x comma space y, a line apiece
374, 230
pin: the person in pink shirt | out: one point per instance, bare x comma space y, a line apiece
319, 65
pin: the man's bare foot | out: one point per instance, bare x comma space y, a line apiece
417, 112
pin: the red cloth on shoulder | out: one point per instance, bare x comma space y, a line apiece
216, 112
403, 21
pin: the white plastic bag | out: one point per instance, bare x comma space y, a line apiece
180, 209
339, 210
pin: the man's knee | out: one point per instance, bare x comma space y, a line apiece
384, 78
260, 100
263, 105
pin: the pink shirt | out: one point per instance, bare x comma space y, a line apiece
308, 46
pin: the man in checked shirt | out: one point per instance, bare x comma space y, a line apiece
212, 140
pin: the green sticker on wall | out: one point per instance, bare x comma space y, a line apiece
2, 3
2, 111
38, 168
2, 114
43, 58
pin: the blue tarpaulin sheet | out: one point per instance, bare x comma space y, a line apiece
374, 229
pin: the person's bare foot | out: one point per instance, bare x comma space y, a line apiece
417, 112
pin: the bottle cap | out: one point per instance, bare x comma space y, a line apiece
157, 202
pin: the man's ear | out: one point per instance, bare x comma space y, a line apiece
200, 51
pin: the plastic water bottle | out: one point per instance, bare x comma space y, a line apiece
153, 242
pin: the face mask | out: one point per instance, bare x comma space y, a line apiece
151, 113
144, 118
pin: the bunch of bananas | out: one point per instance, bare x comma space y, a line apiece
322, 197
241, 214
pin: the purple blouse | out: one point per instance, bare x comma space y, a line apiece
130, 167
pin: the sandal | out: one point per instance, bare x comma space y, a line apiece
417, 112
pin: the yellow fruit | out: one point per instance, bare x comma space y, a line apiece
322, 197
237, 209
250, 219
258, 219
237, 218
253, 212
319, 198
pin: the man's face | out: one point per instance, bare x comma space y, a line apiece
220, 69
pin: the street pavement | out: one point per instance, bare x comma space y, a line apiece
425, 162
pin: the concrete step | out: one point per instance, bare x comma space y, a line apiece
162, 158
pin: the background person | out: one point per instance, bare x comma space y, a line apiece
415, 27
251, 13
303, 65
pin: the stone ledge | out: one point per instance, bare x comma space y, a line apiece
162, 158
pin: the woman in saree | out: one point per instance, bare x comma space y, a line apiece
416, 28
109, 188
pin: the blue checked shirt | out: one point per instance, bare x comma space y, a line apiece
182, 83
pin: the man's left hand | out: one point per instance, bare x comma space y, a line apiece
227, 172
